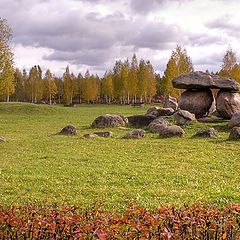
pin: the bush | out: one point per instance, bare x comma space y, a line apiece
59, 221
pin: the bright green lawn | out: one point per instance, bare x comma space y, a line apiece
37, 164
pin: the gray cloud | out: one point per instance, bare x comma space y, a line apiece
85, 37
88, 37
225, 24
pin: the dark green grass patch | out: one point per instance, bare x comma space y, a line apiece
38, 164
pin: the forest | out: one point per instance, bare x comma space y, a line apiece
129, 81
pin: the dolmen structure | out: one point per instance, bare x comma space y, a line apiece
199, 99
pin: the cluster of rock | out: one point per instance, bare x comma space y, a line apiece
199, 99
72, 130
157, 120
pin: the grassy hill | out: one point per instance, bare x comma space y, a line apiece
38, 164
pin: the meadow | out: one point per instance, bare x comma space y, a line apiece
37, 164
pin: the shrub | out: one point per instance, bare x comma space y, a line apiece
59, 221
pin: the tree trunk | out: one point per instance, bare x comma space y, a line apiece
128, 100
8, 96
150, 99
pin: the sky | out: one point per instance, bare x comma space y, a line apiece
93, 34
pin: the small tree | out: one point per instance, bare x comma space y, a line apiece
178, 64
49, 86
6, 61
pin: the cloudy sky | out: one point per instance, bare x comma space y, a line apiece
93, 34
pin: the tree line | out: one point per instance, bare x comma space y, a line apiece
128, 81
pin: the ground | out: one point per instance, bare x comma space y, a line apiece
37, 164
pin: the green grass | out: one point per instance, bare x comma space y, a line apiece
37, 164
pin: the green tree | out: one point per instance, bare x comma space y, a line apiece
142, 77
60, 88
132, 79
49, 86
230, 68
67, 86
79, 85
151, 81
123, 84
107, 86
178, 64
117, 79
229, 61
6, 61
19, 93
90, 87
34, 84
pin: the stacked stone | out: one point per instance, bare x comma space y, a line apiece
199, 99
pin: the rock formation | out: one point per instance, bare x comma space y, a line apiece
198, 99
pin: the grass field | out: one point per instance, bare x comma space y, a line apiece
36, 164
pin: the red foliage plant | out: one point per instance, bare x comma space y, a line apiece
58, 221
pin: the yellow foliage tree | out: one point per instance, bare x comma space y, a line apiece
49, 86
178, 64
6, 61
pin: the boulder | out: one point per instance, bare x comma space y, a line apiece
69, 130
104, 134
182, 117
152, 109
138, 133
198, 102
208, 133
171, 131
2, 139
228, 103
165, 112
141, 120
196, 80
109, 120
157, 124
90, 135
234, 121
171, 102
158, 112
235, 134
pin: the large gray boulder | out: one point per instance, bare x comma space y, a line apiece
207, 133
138, 133
182, 117
234, 121
171, 131
69, 130
170, 102
235, 134
159, 123
196, 80
228, 103
141, 120
198, 102
109, 120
